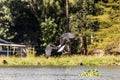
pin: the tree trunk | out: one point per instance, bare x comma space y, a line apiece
84, 45
67, 16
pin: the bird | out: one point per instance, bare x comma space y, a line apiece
64, 43
65, 38
48, 50
61, 48
67, 35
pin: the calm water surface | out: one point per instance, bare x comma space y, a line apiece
58, 73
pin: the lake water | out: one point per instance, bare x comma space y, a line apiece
58, 73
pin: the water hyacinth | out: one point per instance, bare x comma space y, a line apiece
92, 72
68, 69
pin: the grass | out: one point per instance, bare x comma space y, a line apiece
61, 61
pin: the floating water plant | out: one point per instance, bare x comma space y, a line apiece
92, 72
68, 69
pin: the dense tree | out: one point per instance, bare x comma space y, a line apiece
39, 22
81, 24
5, 18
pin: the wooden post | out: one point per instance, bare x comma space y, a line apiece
13, 52
20, 52
7, 51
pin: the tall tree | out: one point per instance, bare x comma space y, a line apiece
81, 24
67, 16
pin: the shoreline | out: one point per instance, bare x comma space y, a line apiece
74, 60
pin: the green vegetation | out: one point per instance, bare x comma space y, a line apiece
75, 60
108, 37
68, 69
39, 22
93, 72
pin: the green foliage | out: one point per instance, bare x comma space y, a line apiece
40, 22
81, 24
92, 72
48, 31
107, 37
5, 18
32, 61
68, 69
74, 60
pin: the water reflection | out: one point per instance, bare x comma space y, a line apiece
58, 73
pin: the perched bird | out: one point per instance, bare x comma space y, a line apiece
49, 49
